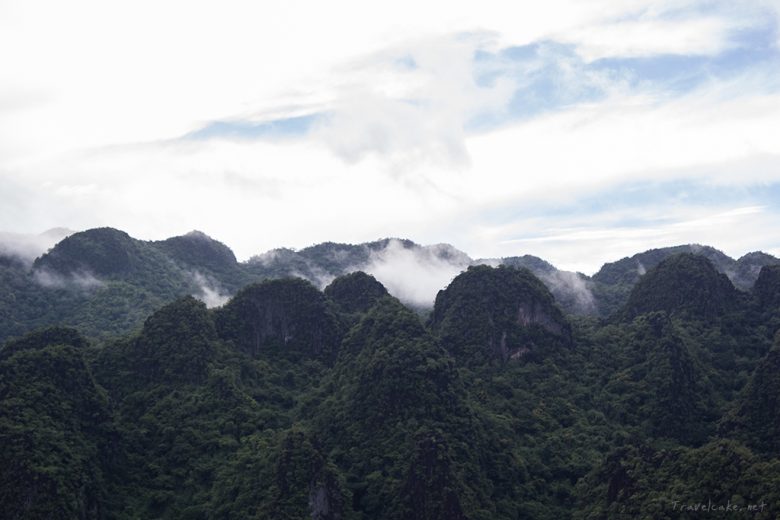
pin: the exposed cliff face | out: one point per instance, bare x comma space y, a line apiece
287, 316
305, 483
497, 314
534, 312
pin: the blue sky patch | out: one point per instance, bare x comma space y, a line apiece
241, 129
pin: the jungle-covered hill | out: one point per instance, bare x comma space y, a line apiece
288, 401
105, 283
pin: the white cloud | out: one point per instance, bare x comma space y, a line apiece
414, 114
641, 38
28, 247
82, 281
105, 73
209, 292
92, 93
415, 276
585, 246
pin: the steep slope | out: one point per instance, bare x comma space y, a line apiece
415, 442
205, 256
749, 267
496, 314
756, 418
287, 317
614, 281
646, 482
105, 283
186, 404
661, 387
290, 402
767, 287
355, 292
103, 252
55, 429
627, 271
683, 285
175, 346
572, 291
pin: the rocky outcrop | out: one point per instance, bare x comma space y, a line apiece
286, 317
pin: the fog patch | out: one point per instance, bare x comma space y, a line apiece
28, 247
317, 276
640, 268
573, 287
415, 275
209, 291
273, 256
82, 281
490, 262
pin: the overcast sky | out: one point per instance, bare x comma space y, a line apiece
578, 131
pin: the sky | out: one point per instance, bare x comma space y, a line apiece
580, 132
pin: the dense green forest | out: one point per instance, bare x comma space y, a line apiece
132, 399
106, 283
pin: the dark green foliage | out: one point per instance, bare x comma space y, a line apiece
767, 288
393, 387
749, 268
55, 430
533, 263
613, 283
304, 484
629, 270
200, 251
175, 345
661, 386
318, 262
101, 251
684, 285
397, 369
573, 292
497, 314
288, 402
43, 338
105, 283
355, 292
429, 490
644, 482
101, 281
287, 316
756, 417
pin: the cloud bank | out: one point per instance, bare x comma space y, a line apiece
415, 275
485, 126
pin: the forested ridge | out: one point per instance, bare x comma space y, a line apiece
106, 283
290, 401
